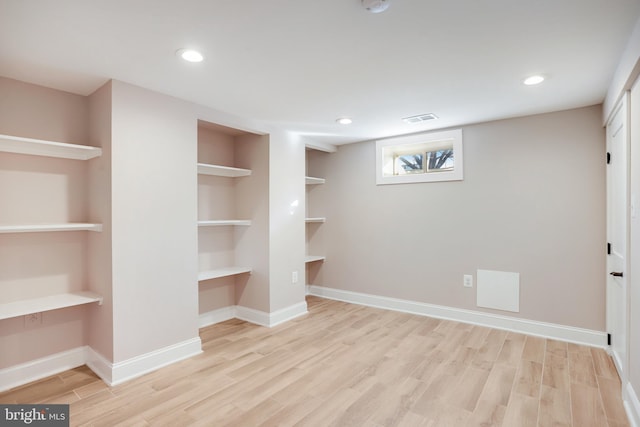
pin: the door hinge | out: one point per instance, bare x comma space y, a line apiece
608, 339
608, 248
608, 157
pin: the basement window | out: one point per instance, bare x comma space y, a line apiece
426, 157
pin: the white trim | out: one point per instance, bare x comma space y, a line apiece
41, 147
250, 315
288, 313
117, 373
145, 363
524, 326
99, 365
216, 316
34, 370
388, 149
631, 405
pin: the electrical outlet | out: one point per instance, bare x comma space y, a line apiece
32, 320
294, 277
467, 281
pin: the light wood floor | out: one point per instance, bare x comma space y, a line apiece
347, 365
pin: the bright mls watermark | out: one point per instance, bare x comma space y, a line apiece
34, 415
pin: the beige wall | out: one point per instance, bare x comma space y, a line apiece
286, 221
532, 201
627, 71
33, 111
252, 202
100, 337
154, 214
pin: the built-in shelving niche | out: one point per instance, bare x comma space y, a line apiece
315, 256
232, 222
40, 241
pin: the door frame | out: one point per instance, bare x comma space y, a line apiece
622, 107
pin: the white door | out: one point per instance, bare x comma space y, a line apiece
617, 227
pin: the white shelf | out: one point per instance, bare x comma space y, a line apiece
39, 147
218, 223
215, 170
313, 258
52, 302
309, 180
319, 219
222, 272
37, 228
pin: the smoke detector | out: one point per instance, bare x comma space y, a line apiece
375, 6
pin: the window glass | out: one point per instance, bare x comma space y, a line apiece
425, 157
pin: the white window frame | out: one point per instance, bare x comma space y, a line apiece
388, 149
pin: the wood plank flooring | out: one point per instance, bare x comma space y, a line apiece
348, 365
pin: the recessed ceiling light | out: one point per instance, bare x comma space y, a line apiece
375, 6
344, 120
533, 80
190, 55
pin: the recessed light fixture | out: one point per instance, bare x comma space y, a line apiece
344, 120
419, 118
190, 55
375, 6
533, 80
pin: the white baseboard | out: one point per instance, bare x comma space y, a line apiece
631, 405
143, 364
117, 373
33, 370
110, 373
100, 365
216, 316
288, 313
250, 315
524, 326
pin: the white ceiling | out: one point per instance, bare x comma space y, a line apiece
301, 64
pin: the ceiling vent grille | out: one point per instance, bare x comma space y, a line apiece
420, 118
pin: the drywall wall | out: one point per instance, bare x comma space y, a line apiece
252, 202
627, 71
100, 336
286, 220
154, 221
39, 189
33, 111
532, 201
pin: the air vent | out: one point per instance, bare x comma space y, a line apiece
420, 118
